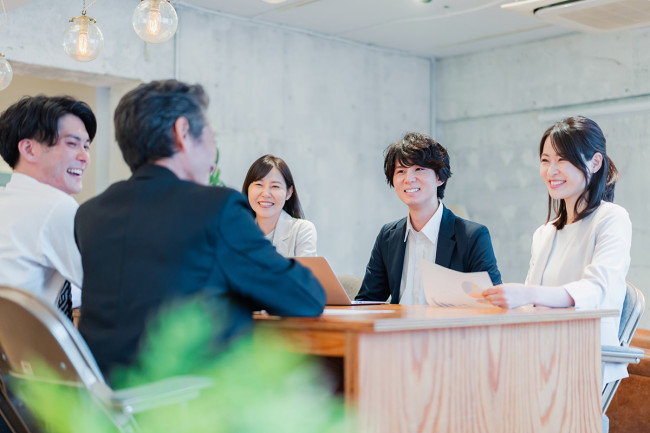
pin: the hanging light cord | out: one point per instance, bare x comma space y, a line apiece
4, 12
83, 11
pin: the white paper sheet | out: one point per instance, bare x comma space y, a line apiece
447, 288
340, 312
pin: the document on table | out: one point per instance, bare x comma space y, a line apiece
447, 288
341, 312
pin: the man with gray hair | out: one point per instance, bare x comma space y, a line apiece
165, 234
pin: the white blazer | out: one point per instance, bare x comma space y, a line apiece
593, 270
294, 237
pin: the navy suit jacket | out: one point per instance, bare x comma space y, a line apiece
463, 246
154, 239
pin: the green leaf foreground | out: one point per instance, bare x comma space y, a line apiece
215, 179
258, 385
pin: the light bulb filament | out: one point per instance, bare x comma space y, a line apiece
153, 21
83, 41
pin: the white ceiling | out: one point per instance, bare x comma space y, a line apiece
439, 28
436, 29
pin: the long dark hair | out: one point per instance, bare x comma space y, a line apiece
577, 139
261, 167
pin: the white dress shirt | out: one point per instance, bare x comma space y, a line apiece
37, 247
419, 245
590, 259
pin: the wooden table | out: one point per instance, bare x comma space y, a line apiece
426, 369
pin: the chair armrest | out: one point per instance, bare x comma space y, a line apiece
618, 354
161, 393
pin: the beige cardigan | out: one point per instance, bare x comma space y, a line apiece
294, 237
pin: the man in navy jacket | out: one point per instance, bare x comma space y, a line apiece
164, 235
418, 168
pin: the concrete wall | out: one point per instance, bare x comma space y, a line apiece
327, 107
494, 106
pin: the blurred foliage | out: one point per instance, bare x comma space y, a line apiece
259, 386
215, 175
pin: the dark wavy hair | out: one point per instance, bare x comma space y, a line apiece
37, 118
577, 139
261, 167
145, 117
418, 149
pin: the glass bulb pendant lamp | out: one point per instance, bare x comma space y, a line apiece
83, 40
6, 73
155, 21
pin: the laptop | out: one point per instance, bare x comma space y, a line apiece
336, 294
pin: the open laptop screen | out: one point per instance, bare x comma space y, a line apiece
336, 294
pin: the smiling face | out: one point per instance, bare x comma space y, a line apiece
416, 186
268, 195
62, 165
564, 180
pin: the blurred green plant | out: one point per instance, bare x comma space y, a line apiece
259, 386
214, 176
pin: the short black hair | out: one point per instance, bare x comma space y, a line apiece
418, 149
37, 118
145, 117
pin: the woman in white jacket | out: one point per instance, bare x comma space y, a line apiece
273, 197
581, 256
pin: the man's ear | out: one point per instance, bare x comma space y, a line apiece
181, 133
29, 149
438, 181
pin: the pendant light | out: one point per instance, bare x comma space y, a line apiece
6, 73
155, 21
83, 40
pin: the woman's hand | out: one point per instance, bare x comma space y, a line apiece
509, 295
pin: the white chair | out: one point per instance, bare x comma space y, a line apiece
633, 308
37, 340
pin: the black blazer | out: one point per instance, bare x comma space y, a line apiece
155, 238
463, 246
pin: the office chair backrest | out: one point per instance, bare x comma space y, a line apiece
631, 313
633, 309
36, 341
351, 284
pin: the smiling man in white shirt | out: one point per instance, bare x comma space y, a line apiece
418, 168
46, 141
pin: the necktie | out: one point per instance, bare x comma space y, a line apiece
64, 301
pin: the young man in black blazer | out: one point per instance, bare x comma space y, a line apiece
165, 235
418, 168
